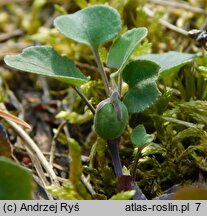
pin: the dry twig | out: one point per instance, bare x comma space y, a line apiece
184, 6
7, 36
165, 23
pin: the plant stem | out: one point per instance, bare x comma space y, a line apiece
125, 180
113, 146
53, 147
139, 195
120, 84
90, 67
101, 70
85, 99
133, 173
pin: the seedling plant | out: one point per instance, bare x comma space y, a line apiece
95, 26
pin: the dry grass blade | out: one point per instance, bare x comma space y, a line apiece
177, 121
36, 151
39, 170
15, 119
87, 185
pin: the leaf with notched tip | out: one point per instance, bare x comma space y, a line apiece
93, 25
9, 116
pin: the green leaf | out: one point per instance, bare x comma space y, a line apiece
64, 192
203, 71
74, 117
81, 3
44, 60
73, 189
154, 148
141, 76
169, 62
93, 26
125, 195
124, 46
15, 181
139, 137
75, 164
76, 168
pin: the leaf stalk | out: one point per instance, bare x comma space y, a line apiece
85, 99
102, 71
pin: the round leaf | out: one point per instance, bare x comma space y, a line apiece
44, 60
15, 181
124, 47
141, 76
93, 26
139, 137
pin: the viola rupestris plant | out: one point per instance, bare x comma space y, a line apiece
95, 26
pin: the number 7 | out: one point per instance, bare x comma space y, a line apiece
198, 205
